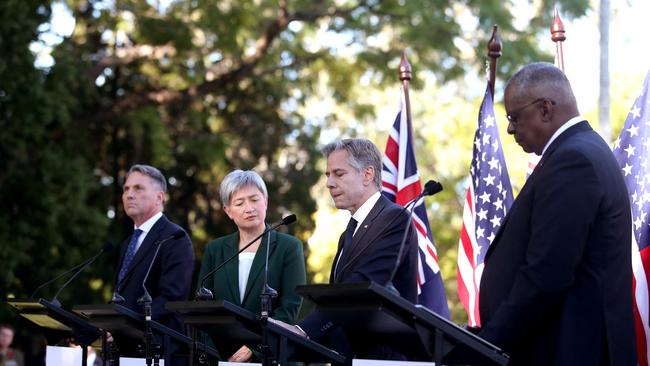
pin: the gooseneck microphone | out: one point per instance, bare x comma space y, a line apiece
146, 298
106, 248
430, 188
80, 267
119, 299
203, 293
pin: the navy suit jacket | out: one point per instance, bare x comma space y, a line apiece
171, 275
557, 283
372, 257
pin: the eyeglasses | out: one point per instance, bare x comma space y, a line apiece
513, 116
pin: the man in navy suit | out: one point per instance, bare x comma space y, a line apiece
170, 278
557, 283
367, 251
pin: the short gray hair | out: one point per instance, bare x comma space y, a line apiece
542, 74
238, 179
153, 173
363, 153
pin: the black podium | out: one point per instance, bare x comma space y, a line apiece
234, 327
371, 314
128, 327
56, 320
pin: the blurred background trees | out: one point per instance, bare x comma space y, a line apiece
201, 87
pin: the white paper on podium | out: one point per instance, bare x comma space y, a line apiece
130, 361
62, 356
361, 362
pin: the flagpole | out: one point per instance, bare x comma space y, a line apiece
494, 52
558, 36
405, 74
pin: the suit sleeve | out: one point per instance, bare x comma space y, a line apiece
176, 269
293, 274
565, 205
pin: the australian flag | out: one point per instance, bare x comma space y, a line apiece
401, 184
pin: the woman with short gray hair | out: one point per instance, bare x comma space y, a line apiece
245, 200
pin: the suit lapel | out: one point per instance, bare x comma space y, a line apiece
363, 238
530, 182
257, 268
232, 269
147, 245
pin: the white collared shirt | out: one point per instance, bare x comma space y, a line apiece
364, 210
573, 121
146, 227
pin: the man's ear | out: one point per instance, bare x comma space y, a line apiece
368, 175
161, 198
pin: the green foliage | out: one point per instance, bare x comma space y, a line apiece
202, 87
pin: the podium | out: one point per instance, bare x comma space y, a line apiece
127, 326
53, 318
234, 327
370, 314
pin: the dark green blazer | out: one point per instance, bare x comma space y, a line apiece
286, 271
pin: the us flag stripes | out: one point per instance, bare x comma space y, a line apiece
632, 150
488, 198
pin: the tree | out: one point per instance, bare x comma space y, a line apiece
198, 88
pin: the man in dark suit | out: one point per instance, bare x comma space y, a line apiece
170, 278
367, 251
557, 283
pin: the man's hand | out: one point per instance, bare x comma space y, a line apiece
242, 355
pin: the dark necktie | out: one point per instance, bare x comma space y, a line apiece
347, 240
130, 253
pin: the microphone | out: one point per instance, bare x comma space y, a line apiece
267, 291
107, 247
119, 299
430, 188
203, 293
146, 298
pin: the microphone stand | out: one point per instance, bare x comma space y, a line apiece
267, 296
151, 349
430, 188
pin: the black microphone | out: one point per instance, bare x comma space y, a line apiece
108, 246
146, 298
119, 299
267, 291
203, 293
430, 188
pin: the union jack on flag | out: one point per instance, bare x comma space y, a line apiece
632, 150
488, 198
401, 184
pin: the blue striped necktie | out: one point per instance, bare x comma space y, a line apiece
130, 253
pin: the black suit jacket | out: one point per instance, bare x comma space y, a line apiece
372, 257
557, 283
171, 275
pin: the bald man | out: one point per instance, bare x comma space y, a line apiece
557, 284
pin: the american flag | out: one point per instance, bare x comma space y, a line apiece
488, 198
401, 184
632, 149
